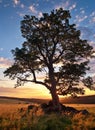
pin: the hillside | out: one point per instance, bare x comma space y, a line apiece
66, 100
79, 100
4, 99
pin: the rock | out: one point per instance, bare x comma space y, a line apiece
44, 105
30, 107
49, 108
84, 112
71, 109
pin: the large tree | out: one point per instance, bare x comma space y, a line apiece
54, 48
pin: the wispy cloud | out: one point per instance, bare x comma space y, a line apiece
20, 14
40, 14
82, 11
92, 61
80, 18
12, 92
64, 5
92, 14
92, 67
4, 62
73, 6
92, 18
86, 32
32, 9
37, 92
16, 2
22, 5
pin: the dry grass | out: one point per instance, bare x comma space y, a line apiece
17, 117
89, 107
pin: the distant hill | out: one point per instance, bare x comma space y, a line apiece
4, 99
79, 100
67, 100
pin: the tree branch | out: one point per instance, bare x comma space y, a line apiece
43, 55
35, 81
56, 59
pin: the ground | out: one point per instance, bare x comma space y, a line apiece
23, 116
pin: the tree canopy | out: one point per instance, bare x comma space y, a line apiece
53, 47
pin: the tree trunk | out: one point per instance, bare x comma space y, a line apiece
55, 100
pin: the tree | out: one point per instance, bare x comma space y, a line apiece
53, 47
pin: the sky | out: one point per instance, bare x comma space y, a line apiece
11, 14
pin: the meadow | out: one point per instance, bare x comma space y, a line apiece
16, 116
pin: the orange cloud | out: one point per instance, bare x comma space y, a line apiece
25, 92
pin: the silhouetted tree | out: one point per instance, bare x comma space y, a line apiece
52, 47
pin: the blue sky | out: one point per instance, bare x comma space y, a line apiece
12, 12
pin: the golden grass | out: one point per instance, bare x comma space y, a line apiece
89, 107
11, 109
13, 117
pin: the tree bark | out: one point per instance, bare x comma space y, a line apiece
54, 95
55, 100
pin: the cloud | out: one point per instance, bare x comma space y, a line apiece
92, 43
93, 20
92, 14
16, 2
32, 9
22, 5
24, 92
20, 14
92, 17
92, 61
64, 5
82, 11
40, 14
86, 32
12, 92
4, 62
35, 11
80, 18
92, 67
72, 7
2, 80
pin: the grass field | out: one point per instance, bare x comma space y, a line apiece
17, 117
89, 107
